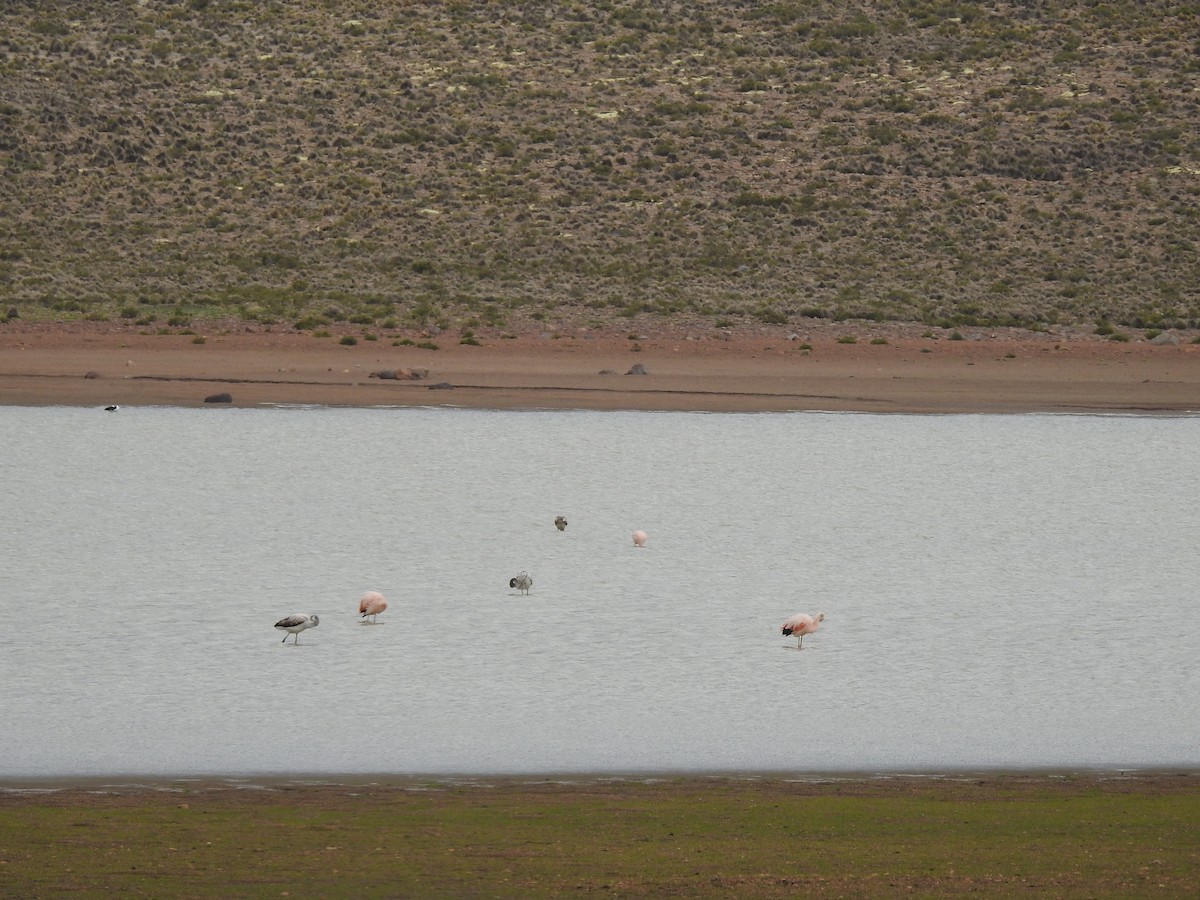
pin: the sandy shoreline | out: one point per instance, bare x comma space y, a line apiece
813, 369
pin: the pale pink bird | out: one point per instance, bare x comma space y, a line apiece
802, 624
371, 604
639, 538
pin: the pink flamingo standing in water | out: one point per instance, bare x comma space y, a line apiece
802, 624
371, 604
639, 538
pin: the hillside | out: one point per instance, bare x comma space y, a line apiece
495, 165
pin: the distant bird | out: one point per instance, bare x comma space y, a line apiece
112, 408
560, 522
371, 604
639, 538
294, 624
521, 581
802, 624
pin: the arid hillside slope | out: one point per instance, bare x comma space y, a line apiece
396, 164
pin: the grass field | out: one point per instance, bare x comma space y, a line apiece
992, 835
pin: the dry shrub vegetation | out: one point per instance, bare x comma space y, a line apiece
494, 167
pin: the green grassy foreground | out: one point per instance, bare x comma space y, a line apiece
995, 835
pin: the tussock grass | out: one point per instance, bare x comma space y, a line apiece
427, 164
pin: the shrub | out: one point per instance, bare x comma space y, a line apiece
349, 340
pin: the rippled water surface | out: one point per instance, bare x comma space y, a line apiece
1000, 591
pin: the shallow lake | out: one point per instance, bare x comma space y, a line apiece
1000, 591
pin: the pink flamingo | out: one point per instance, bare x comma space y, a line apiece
371, 604
802, 624
639, 538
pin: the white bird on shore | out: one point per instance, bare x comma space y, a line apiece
802, 624
521, 581
296, 623
371, 604
639, 538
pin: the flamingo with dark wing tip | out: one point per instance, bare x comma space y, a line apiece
294, 624
522, 581
371, 604
802, 624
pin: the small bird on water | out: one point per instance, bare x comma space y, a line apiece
294, 624
802, 624
371, 604
560, 522
522, 581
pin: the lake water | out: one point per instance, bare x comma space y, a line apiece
1000, 592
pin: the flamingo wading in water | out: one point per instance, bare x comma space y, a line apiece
295, 624
639, 538
522, 581
802, 624
371, 604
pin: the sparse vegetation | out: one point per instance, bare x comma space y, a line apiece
998, 836
466, 166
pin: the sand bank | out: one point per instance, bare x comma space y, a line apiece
989, 372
